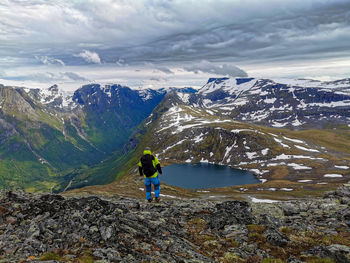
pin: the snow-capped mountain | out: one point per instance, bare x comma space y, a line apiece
218, 124
277, 103
58, 98
50, 137
52, 97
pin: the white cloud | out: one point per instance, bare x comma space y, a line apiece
50, 61
90, 57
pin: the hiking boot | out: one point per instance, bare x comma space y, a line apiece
157, 199
150, 200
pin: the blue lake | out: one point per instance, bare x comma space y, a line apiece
204, 175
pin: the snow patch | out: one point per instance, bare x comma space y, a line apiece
287, 189
294, 140
306, 149
332, 104
333, 175
172, 146
257, 171
286, 157
251, 155
265, 151
270, 101
198, 138
228, 149
184, 96
297, 122
297, 166
275, 164
341, 167
282, 144
278, 125
257, 200
169, 196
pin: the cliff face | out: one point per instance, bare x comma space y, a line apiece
53, 227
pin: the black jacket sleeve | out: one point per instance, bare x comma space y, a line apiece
140, 171
159, 168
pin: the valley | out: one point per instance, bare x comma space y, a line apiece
290, 162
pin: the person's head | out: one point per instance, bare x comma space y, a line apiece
147, 150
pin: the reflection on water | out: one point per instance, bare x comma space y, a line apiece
204, 175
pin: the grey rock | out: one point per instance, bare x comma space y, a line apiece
237, 232
107, 254
292, 259
128, 230
231, 212
106, 232
290, 209
276, 238
339, 253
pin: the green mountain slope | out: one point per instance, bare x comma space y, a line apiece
44, 143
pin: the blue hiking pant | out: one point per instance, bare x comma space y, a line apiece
148, 184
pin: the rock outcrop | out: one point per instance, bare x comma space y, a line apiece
53, 228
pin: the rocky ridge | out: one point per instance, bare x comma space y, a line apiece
53, 228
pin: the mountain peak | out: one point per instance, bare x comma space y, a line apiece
228, 85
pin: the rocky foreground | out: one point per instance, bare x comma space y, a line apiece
53, 228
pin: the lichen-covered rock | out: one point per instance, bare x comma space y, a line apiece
130, 230
339, 253
276, 238
231, 212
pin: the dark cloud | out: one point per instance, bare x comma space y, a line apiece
164, 70
45, 77
167, 35
314, 27
74, 76
155, 79
158, 79
224, 69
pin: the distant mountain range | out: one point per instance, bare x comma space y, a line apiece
277, 103
281, 129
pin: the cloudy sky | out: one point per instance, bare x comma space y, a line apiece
161, 43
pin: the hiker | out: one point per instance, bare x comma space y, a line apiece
149, 167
